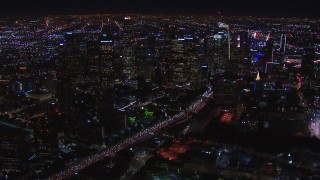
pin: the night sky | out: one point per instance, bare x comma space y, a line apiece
285, 8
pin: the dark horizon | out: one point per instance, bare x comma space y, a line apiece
269, 8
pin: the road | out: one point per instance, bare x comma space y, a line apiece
140, 136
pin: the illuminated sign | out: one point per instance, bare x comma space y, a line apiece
272, 62
132, 119
217, 36
188, 37
148, 113
62, 43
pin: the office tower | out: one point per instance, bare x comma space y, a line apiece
226, 29
129, 64
161, 73
235, 47
128, 59
179, 64
107, 62
267, 55
307, 63
244, 46
70, 69
268, 51
151, 44
144, 60
283, 43
127, 31
94, 64
46, 146
308, 76
75, 57
12, 150
185, 66
107, 112
219, 47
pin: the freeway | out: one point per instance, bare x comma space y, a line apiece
141, 104
140, 136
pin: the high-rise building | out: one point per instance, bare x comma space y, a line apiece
129, 63
219, 52
144, 59
283, 43
179, 64
268, 50
307, 63
244, 46
185, 66
71, 71
11, 153
107, 62
46, 146
75, 48
128, 59
226, 29
94, 64
162, 60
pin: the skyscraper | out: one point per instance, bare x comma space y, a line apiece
144, 59
75, 48
307, 63
185, 66
244, 46
219, 47
70, 68
107, 62
283, 43
127, 55
226, 28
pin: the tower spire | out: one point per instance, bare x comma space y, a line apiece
258, 77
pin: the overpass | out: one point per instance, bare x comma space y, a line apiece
138, 137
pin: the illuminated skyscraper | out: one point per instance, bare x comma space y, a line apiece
268, 50
219, 47
94, 63
244, 46
12, 150
75, 48
70, 68
107, 64
225, 27
144, 56
127, 57
129, 64
161, 73
283, 43
185, 66
179, 64
46, 140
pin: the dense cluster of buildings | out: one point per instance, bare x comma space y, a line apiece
76, 84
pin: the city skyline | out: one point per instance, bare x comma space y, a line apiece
271, 8
130, 96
